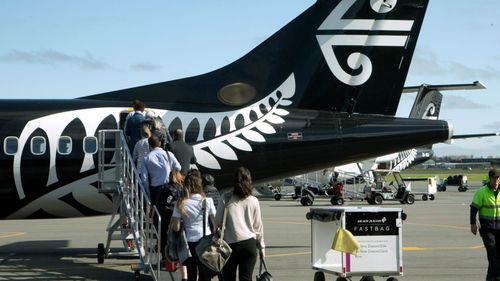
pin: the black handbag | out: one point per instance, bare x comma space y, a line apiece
263, 275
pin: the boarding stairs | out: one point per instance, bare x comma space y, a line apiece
133, 216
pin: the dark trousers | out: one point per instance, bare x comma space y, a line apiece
243, 258
195, 267
491, 240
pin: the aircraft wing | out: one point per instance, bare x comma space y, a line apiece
467, 136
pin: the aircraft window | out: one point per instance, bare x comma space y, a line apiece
90, 145
65, 145
38, 145
236, 94
10, 145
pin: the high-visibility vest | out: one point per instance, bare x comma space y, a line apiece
489, 206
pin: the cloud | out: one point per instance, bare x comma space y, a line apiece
495, 126
145, 66
459, 102
49, 56
425, 62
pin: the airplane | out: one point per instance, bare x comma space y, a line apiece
427, 105
321, 92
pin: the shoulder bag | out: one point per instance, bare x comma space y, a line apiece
177, 248
213, 252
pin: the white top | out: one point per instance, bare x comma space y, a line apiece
193, 223
141, 149
243, 220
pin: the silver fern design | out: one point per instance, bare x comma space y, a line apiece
208, 151
404, 159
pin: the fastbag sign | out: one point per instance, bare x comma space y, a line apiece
372, 224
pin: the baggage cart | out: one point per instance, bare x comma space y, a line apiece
379, 232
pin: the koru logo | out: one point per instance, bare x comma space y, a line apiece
334, 23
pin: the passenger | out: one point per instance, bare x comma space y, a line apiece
210, 190
165, 203
244, 231
134, 125
141, 148
183, 151
189, 210
158, 128
486, 202
156, 167
130, 114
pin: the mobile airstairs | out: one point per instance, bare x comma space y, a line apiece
133, 217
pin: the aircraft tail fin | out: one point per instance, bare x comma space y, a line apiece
349, 55
427, 104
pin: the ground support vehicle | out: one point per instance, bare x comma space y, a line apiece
429, 192
460, 180
396, 190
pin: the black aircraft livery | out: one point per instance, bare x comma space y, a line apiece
320, 92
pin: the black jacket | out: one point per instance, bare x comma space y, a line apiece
184, 154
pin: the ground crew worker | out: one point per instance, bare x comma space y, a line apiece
487, 202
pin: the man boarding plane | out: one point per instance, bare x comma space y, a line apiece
321, 91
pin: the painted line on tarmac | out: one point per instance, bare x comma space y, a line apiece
441, 248
409, 248
437, 225
11, 234
288, 254
288, 222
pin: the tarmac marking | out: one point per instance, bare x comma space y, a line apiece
288, 254
409, 248
441, 248
288, 222
11, 234
438, 225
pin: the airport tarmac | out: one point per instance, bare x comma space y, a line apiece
437, 244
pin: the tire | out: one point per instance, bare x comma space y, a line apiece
319, 276
333, 200
431, 197
392, 279
410, 199
424, 197
378, 199
277, 197
306, 201
100, 253
443, 189
340, 201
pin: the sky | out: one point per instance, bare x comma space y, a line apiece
59, 49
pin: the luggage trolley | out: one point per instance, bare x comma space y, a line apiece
379, 232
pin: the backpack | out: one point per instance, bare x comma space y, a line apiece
167, 197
